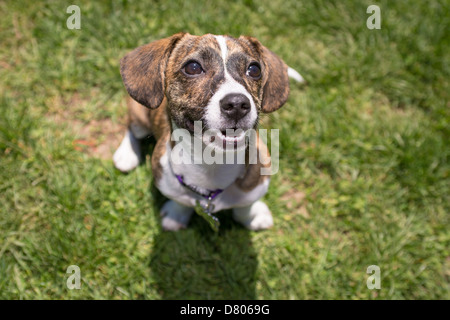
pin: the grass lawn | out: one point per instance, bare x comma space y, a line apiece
364, 156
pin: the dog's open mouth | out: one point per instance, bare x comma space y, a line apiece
226, 139
229, 139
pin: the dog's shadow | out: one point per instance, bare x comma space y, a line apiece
197, 263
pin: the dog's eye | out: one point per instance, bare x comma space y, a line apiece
254, 71
193, 68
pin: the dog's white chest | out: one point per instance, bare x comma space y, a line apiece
206, 178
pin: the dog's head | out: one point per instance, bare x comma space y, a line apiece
222, 81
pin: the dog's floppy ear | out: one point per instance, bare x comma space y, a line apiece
143, 70
276, 89
275, 73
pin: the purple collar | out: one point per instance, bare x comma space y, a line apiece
211, 193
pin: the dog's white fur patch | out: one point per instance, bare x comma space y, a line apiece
254, 217
209, 177
223, 46
128, 155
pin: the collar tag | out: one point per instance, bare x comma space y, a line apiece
205, 211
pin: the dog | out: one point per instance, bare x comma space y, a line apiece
225, 83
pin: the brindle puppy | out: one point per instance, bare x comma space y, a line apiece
224, 83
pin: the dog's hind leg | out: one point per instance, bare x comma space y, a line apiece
128, 155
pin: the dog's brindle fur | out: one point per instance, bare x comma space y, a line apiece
162, 93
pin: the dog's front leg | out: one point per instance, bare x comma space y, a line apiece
175, 216
254, 217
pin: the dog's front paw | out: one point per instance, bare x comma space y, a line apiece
175, 216
255, 217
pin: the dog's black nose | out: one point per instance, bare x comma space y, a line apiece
235, 106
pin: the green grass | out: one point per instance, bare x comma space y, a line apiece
364, 158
